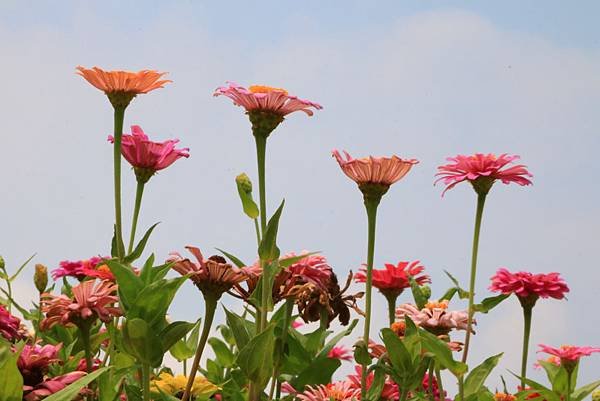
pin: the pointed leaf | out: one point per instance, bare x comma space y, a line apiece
70, 392
137, 252
489, 303
20, 269
238, 328
173, 333
268, 246
233, 258
256, 358
477, 377
129, 283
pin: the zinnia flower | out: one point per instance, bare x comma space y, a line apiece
50, 386
81, 269
340, 352
90, 301
504, 397
393, 279
34, 361
148, 157
212, 276
529, 286
482, 171
338, 391
568, 353
389, 392
9, 325
175, 385
434, 317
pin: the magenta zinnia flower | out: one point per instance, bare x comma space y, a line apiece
393, 279
374, 170
148, 157
50, 386
434, 317
389, 392
266, 98
9, 325
338, 391
34, 361
81, 269
568, 353
482, 170
529, 286
89, 302
340, 352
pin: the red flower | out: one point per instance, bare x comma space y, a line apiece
81, 269
340, 352
528, 286
9, 325
394, 279
482, 170
568, 353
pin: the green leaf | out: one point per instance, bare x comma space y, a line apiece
361, 353
129, 283
479, 374
20, 269
374, 391
489, 303
584, 391
462, 294
248, 204
185, 348
141, 342
224, 355
268, 251
233, 258
71, 391
239, 328
287, 262
137, 252
153, 301
256, 358
442, 353
173, 333
449, 294
11, 381
418, 295
319, 371
397, 352
270, 270
335, 339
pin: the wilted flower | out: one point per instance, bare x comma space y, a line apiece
340, 352
81, 269
434, 317
50, 386
40, 277
393, 279
175, 385
482, 171
338, 391
212, 276
528, 286
90, 301
9, 325
148, 157
34, 361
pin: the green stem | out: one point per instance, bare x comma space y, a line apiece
404, 395
430, 380
526, 332
146, 381
210, 304
438, 376
461, 388
84, 332
118, 134
257, 229
261, 148
569, 378
391, 301
139, 192
185, 367
371, 206
476, 231
287, 318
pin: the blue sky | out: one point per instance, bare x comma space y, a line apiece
419, 79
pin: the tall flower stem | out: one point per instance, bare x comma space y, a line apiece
391, 301
371, 204
261, 147
210, 304
287, 318
569, 384
476, 231
139, 192
257, 230
84, 332
526, 333
146, 381
118, 134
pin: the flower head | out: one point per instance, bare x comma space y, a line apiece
529, 286
568, 353
148, 157
393, 279
389, 392
50, 386
34, 361
81, 269
340, 352
9, 325
482, 171
504, 397
212, 276
175, 385
338, 391
90, 301
434, 317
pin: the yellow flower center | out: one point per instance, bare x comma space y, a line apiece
265, 89
437, 304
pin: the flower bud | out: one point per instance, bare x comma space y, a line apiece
2, 264
243, 182
426, 290
40, 278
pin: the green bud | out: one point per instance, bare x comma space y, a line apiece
244, 187
426, 291
2, 264
40, 278
243, 182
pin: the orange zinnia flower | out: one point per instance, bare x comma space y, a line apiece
135, 83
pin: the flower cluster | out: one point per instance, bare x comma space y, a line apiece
94, 267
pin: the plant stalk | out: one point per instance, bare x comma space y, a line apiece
119, 117
146, 381
139, 192
391, 301
527, 312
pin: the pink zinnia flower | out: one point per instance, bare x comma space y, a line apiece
312, 269
393, 279
568, 353
296, 324
266, 98
338, 391
9, 325
34, 361
482, 170
50, 386
529, 286
389, 392
214, 274
437, 395
81, 269
434, 317
340, 352
374, 170
146, 156
90, 301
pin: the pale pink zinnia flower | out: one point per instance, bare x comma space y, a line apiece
568, 353
393, 279
374, 170
81, 269
90, 301
482, 170
338, 391
50, 386
434, 317
340, 352
266, 98
9, 325
213, 275
529, 286
146, 156
34, 361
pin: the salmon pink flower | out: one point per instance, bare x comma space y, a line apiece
338, 391
34, 361
81, 269
434, 317
393, 279
148, 157
529, 286
9, 325
50, 386
504, 397
482, 171
340, 352
90, 301
389, 392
